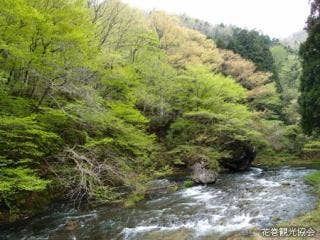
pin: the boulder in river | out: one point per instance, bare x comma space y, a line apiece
201, 173
242, 155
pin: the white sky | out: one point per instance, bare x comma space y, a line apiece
277, 18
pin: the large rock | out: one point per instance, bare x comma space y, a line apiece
241, 156
201, 173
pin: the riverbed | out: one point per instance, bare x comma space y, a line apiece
237, 203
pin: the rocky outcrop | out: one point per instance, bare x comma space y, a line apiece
242, 155
201, 173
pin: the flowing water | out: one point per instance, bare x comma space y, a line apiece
236, 203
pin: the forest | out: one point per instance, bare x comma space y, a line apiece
97, 99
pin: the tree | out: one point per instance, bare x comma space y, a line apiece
250, 44
310, 80
289, 70
254, 46
97, 97
182, 45
212, 118
40, 42
262, 95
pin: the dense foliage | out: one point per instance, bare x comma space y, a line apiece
97, 98
289, 71
310, 86
250, 44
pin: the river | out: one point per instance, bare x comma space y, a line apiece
236, 203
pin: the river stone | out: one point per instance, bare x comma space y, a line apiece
202, 174
242, 155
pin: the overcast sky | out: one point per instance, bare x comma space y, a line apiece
277, 18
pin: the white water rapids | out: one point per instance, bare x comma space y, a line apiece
236, 203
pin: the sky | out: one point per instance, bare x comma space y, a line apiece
277, 18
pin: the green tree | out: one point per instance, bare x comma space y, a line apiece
250, 44
289, 72
44, 44
254, 46
310, 82
212, 117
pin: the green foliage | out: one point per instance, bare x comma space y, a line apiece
187, 183
289, 71
254, 46
253, 63
23, 144
116, 152
311, 219
67, 126
280, 138
133, 199
97, 99
265, 99
312, 146
128, 114
20, 179
294, 139
250, 44
43, 43
310, 88
311, 149
314, 179
198, 89
212, 114
16, 185
114, 126
18, 106
22, 139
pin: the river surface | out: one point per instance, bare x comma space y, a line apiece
236, 203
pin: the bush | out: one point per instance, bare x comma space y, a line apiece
23, 146
187, 183
312, 149
314, 180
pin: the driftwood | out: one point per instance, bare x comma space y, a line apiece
87, 174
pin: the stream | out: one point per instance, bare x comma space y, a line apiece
236, 203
